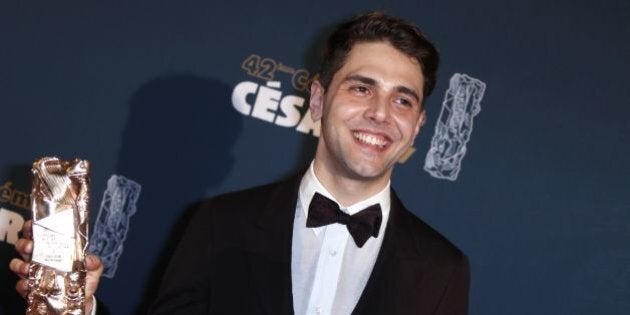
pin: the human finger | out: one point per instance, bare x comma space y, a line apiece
94, 268
27, 230
19, 267
22, 287
25, 248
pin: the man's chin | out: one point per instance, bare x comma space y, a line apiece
369, 173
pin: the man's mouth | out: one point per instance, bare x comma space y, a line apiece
370, 139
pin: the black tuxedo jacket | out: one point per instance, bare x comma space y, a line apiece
235, 258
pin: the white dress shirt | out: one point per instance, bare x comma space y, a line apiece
328, 270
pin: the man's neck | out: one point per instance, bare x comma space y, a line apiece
345, 190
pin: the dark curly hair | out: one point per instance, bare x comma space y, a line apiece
373, 27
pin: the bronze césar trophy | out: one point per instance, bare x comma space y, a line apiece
60, 197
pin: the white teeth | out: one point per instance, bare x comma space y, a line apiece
370, 139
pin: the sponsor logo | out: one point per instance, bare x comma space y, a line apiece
11, 221
112, 224
10, 225
462, 102
14, 197
268, 101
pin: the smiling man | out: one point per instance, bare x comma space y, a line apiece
370, 112
334, 239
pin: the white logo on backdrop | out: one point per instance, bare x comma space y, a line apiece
268, 102
10, 221
454, 126
118, 205
10, 225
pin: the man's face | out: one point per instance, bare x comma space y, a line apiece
370, 113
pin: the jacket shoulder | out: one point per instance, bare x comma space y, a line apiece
245, 196
252, 202
428, 239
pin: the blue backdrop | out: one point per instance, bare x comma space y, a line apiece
189, 99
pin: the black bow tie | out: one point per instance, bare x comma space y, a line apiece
361, 225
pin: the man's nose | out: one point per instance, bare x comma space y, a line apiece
378, 110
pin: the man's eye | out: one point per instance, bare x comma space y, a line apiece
360, 89
404, 101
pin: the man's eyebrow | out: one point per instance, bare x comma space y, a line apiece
362, 79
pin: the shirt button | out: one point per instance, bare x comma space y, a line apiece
318, 310
332, 252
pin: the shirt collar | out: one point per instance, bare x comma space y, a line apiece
310, 185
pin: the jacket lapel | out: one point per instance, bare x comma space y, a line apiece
271, 268
398, 270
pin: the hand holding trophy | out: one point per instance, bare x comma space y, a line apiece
61, 277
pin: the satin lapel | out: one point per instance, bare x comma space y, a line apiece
398, 268
271, 269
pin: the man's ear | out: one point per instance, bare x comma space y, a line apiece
420, 123
316, 101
